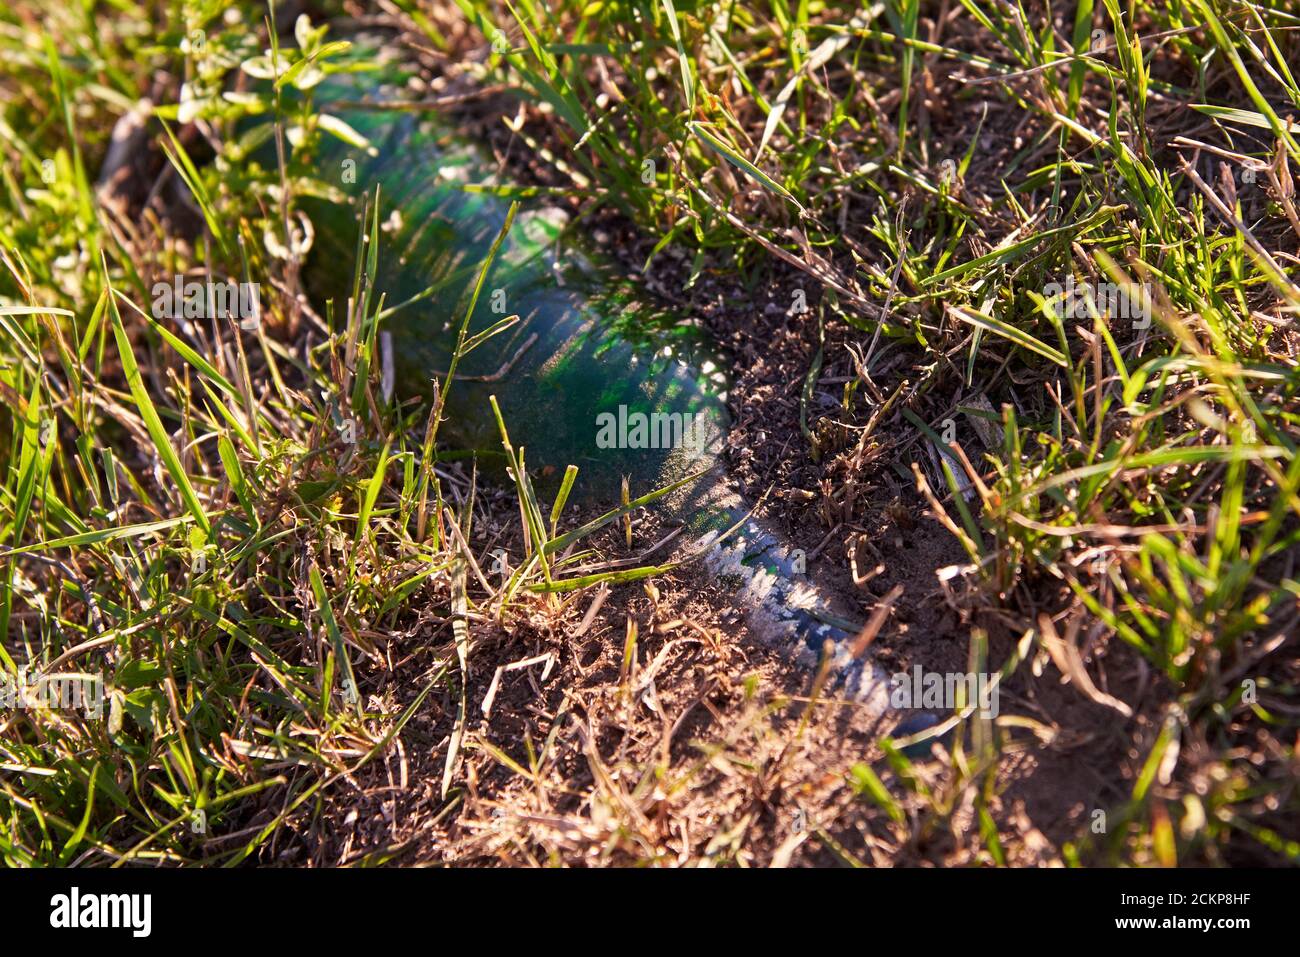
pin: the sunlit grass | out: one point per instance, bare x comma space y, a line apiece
219, 519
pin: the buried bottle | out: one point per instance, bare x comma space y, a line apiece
594, 373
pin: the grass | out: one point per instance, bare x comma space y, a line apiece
182, 512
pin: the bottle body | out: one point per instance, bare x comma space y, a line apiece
594, 373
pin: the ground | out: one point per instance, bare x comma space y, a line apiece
328, 685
